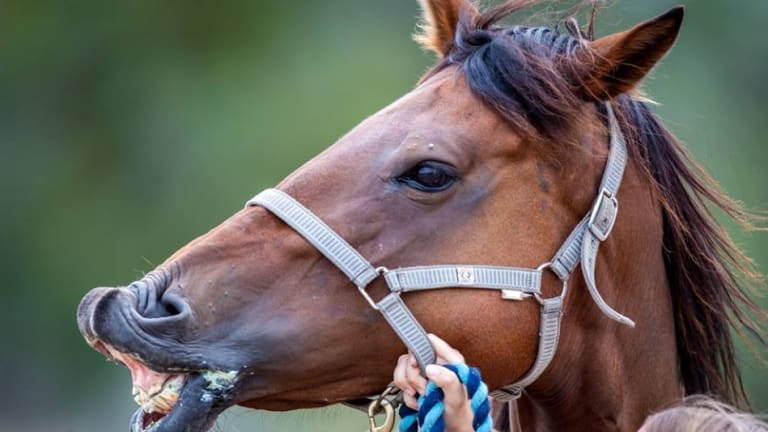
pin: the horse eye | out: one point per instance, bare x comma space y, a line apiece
428, 176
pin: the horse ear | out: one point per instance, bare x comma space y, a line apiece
615, 64
438, 23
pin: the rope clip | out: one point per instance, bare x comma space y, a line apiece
379, 406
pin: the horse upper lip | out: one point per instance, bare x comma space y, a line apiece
85, 315
108, 317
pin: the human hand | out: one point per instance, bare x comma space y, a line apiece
407, 376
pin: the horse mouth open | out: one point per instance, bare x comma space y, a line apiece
175, 401
171, 399
194, 406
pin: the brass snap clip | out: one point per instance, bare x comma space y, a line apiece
377, 407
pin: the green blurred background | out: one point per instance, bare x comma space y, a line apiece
128, 128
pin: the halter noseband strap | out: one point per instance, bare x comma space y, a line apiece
581, 246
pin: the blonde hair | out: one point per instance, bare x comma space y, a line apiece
700, 413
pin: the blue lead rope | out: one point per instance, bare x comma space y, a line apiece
429, 418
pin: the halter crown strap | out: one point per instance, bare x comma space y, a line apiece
602, 217
582, 244
580, 247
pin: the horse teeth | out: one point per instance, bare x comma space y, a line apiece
139, 395
159, 397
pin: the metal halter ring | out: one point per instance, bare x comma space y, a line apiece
563, 292
381, 271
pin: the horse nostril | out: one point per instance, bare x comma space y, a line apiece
152, 299
172, 305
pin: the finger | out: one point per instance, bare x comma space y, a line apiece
399, 377
412, 360
455, 393
411, 401
445, 353
415, 379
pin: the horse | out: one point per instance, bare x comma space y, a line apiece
515, 147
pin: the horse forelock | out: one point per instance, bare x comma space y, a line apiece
525, 73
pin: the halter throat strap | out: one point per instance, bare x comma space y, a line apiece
514, 283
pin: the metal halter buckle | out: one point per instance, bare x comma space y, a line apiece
603, 215
381, 271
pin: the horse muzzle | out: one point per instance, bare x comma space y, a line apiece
141, 327
136, 320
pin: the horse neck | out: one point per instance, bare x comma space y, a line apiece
606, 376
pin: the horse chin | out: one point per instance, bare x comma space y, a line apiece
203, 397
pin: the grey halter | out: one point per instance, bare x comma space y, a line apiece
514, 283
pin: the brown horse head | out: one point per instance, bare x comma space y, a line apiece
492, 159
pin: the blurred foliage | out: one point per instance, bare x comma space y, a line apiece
128, 128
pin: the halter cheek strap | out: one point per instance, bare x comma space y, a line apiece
514, 283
